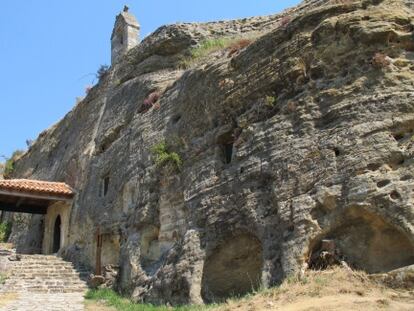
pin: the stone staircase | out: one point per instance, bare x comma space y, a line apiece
44, 274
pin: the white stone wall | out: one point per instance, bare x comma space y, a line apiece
126, 36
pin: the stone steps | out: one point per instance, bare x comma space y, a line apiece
45, 274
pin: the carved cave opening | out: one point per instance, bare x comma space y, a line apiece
233, 269
364, 241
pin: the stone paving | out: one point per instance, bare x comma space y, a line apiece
47, 302
45, 283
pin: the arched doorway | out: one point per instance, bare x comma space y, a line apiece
233, 269
56, 235
367, 242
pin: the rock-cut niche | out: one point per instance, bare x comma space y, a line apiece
233, 269
367, 242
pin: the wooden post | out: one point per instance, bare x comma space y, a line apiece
98, 268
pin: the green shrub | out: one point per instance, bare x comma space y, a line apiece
164, 157
9, 165
5, 231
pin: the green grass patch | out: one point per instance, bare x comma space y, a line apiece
112, 299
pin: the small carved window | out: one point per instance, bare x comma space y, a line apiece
121, 39
226, 142
103, 190
228, 152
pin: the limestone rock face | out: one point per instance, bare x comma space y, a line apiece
305, 134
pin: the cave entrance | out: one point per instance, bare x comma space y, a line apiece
56, 234
233, 269
364, 241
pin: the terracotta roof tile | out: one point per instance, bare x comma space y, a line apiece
36, 187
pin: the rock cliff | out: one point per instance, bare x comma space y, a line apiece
211, 175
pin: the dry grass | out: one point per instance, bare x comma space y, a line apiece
206, 48
6, 246
238, 45
334, 289
6, 299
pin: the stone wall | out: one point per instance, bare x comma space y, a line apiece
62, 210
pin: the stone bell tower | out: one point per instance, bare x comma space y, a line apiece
125, 35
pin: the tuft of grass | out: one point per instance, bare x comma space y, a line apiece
3, 278
209, 46
164, 157
112, 299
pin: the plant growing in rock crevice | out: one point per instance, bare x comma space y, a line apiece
380, 60
5, 231
233, 44
238, 45
165, 158
102, 72
150, 101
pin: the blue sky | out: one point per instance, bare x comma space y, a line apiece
50, 49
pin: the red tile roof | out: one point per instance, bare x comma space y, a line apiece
36, 187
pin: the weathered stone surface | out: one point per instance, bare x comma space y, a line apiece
403, 277
320, 113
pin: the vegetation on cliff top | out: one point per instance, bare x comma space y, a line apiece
9, 165
207, 47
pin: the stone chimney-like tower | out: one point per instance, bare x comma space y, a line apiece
125, 34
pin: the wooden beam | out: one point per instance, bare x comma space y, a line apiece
23, 208
35, 196
20, 202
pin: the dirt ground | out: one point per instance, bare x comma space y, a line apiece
6, 299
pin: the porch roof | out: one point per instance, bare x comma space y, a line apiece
32, 196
